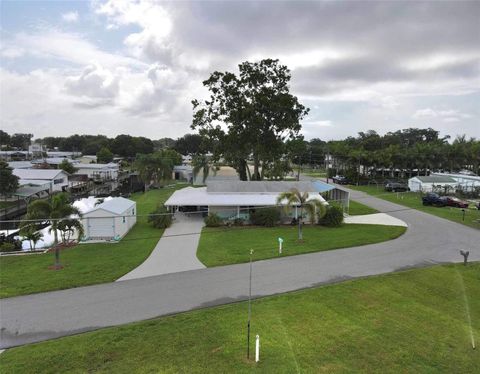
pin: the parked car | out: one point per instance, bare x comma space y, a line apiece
340, 179
396, 187
434, 199
456, 202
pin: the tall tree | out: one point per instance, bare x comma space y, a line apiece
158, 166
104, 156
258, 112
8, 181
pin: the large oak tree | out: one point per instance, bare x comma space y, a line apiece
250, 114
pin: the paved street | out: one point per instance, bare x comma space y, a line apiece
428, 240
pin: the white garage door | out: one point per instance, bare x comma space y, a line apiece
100, 228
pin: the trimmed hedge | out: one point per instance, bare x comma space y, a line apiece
265, 217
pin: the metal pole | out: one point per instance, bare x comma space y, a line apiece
249, 306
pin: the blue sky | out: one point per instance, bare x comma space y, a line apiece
133, 67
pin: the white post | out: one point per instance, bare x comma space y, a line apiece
238, 211
280, 242
257, 349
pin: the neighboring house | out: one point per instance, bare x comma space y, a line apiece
64, 154
465, 181
183, 172
237, 199
88, 159
56, 180
98, 171
54, 162
427, 183
20, 164
110, 220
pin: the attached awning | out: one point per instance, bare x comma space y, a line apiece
28, 191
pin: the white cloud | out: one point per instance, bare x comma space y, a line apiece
70, 16
95, 85
52, 44
155, 22
449, 115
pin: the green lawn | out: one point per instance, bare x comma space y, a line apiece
357, 209
7, 204
222, 246
85, 264
409, 322
414, 200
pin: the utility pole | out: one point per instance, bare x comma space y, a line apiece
249, 306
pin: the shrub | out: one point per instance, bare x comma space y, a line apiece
265, 217
159, 219
333, 217
7, 247
238, 222
213, 220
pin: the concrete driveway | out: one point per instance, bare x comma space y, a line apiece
176, 251
429, 240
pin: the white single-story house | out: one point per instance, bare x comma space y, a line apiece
98, 171
428, 183
237, 199
56, 179
88, 159
466, 181
110, 220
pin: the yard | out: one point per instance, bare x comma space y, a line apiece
223, 246
85, 264
414, 200
357, 209
410, 322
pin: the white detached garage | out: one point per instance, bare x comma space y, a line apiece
110, 220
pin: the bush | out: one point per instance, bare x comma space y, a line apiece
238, 222
265, 217
159, 219
7, 247
213, 220
333, 217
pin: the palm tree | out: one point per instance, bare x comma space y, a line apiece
52, 212
302, 200
29, 232
202, 163
67, 228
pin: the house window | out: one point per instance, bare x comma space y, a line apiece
123, 219
58, 181
133, 212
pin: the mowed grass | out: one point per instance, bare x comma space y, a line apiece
85, 264
414, 200
357, 209
222, 246
409, 322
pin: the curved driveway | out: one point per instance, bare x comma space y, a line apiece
428, 240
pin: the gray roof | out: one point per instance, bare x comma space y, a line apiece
46, 174
436, 179
27, 191
116, 205
227, 186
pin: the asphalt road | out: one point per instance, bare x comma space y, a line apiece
428, 240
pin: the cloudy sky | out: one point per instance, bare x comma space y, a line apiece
111, 67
